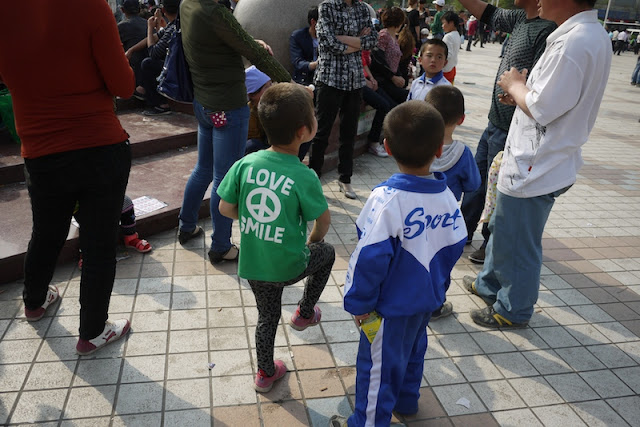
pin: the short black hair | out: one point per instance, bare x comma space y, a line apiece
283, 109
449, 102
171, 6
451, 16
414, 131
312, 14
434, 42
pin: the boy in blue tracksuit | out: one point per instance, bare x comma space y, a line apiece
411, 235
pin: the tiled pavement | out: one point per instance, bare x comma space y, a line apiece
577, 364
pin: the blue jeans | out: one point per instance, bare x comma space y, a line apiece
635, 77
511, 272
491, 142
218, 150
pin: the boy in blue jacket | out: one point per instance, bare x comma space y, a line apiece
411, 235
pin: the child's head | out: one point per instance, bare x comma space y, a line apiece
449, 102
450, 21
414, 132
285, 111
257, 83
433, 56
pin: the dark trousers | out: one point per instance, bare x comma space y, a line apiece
151, 69
469, 41
96, 178
383, 104
329, 101
397, 94
269, 300
491, 142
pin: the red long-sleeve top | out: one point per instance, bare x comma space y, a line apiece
63, 62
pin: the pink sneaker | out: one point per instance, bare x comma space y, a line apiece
53, 295
299, 323
113, 331
264, 383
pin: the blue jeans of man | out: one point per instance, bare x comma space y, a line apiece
95, 179
635, 77
511, 272
218, 150
491, 143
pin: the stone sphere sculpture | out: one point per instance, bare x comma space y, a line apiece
273, 21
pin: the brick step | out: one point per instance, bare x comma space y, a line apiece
148, 135
162, 176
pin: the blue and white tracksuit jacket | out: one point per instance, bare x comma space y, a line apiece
411, 235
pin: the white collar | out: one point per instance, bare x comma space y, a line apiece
586, 17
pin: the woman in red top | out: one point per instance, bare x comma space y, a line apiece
74, 149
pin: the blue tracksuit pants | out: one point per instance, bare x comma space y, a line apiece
389, 370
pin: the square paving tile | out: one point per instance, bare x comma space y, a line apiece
229, 362
547, 362
319, 383
606, 384
150, 321
556, 337
535, 391
287, 388
580, 359
343, 331
101, 399
147, 343
571, 387
344, 353
513, 365
442, 371
191, 417
187, 394
477, 368
498, 395
188, 341
450, 394
244, 415
12, 377
139, 397
558, 416
321, 410
290, 413
598, 413
36, 406
517, 417
460, 345
190, 365
631, 376
627, 407
493, 342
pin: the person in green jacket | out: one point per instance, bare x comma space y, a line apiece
436, 25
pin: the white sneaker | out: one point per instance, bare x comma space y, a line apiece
113, 331
378, 150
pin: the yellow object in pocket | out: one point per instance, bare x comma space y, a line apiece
371, 325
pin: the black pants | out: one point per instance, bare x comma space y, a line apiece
151, 69
383, 104
329, 101
269, 300
96, 178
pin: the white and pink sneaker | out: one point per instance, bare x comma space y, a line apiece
53, 295
113, 331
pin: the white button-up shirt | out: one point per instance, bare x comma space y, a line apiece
543, 154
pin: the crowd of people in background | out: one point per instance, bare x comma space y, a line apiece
256, 125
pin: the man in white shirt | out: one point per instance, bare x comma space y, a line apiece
623, 37
556, 110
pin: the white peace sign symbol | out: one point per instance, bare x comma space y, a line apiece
261, 210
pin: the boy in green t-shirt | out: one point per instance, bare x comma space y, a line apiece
273, 195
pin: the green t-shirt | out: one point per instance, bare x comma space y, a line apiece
276, 195
436, 24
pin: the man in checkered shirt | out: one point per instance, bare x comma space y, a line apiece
344, 29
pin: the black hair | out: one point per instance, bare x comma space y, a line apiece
414, 131
435, 42
451, 16
312, 14
449, 102
171, 6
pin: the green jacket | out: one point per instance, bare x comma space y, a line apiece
214, 44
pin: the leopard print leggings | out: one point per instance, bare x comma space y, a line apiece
269, 300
